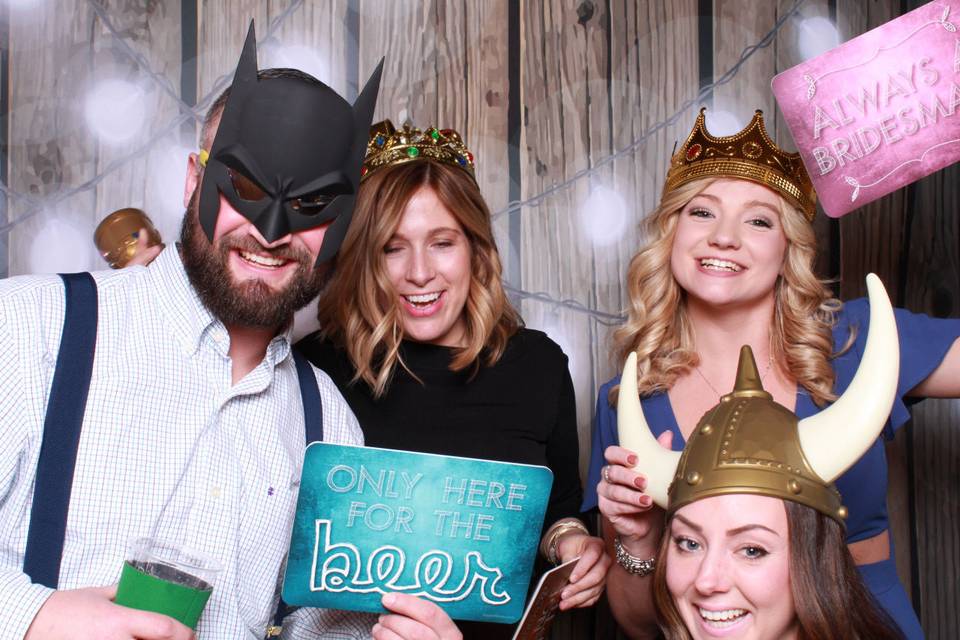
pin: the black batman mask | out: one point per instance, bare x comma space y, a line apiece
287, 154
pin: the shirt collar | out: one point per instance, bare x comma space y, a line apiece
187, 318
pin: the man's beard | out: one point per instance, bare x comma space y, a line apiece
251, 303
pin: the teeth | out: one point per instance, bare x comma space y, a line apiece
727, 615
715, 263
424, 298
264, 261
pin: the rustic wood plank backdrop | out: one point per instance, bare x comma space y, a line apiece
566, 105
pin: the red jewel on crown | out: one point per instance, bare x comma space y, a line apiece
693, 151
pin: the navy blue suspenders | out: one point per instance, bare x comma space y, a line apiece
61, 431
64, 420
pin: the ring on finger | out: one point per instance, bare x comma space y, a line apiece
606, 474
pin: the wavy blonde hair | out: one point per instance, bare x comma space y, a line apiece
658, 327
358, 309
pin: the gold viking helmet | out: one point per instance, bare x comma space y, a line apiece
750, 155
750, 444
388, 146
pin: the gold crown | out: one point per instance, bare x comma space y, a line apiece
388, 146
749, 154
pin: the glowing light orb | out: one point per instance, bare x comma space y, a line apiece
723, 123
816, 35
116, 111
62, 245
603, 217
298, 56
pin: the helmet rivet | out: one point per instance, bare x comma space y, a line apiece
842, 512
693, 478
794, 486
706, 430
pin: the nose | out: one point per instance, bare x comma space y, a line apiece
420, 269
725, 233
713, 575
279, 242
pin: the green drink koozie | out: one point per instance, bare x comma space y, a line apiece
158, 587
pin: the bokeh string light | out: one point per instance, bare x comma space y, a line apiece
188, 113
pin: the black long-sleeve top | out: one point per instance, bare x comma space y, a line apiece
522, 409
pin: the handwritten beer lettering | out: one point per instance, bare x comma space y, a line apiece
889, 109
339, 567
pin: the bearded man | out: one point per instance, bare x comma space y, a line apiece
186, 411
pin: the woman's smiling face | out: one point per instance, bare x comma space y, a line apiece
428, 261
729, 244
728, 568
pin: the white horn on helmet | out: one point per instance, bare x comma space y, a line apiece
657, 464
834, 439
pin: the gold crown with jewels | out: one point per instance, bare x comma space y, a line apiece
749, 154
388, 146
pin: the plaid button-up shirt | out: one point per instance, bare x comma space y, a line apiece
169, 447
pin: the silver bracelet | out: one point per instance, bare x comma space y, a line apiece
631, 563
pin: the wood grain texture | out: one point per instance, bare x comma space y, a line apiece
50, 148
738, 24
446, 66
789, 54
153, 179
564, 77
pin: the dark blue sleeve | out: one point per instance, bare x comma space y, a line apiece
604, 435
924, 341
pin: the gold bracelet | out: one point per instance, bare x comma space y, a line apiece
548, 546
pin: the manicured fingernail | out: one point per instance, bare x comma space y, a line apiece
646, 500
631, 460
640, 483
376, 629
564, 595
389, 599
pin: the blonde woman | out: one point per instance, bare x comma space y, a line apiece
420, 338
730, 263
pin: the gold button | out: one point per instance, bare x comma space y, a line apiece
794, 486
693, 478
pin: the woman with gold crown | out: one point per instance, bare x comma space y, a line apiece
419, 336
730, 262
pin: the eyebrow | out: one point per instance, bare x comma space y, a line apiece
730, 532
433, 232
746, 205
761, 203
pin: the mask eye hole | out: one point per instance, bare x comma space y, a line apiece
245, 187
311, 204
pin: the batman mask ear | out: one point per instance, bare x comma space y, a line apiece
362, 117
244, 83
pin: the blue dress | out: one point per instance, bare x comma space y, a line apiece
924, 341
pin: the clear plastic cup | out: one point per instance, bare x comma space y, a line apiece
164, 578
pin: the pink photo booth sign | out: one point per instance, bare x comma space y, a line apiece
880, 111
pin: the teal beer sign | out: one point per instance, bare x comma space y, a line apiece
460, 532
